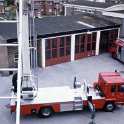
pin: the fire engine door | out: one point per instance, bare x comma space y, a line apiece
120, 93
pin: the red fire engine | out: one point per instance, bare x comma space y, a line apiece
104, 94
117, 50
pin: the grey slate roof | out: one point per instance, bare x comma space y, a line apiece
60, 24
50, 25
56, 1
92, 4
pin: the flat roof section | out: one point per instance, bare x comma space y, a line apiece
92, 3
62, 25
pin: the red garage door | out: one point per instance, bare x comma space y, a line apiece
85, 45
113, 35
107, 39
58, 50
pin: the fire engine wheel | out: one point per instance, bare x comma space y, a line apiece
109, 107
45, 112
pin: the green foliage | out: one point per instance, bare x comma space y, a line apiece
9, 2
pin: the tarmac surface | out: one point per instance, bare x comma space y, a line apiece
63, 74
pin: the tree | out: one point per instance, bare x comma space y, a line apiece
9, 2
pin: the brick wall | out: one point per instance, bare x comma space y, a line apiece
46, 8
1, 9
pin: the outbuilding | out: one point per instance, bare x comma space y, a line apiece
66, 38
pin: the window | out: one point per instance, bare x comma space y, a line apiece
121, 88
48, 44
68, 41
54, 43
89, 38
113, 88
77, 40
67, 50
93, 45
88, 47
82, 39
54, 53
77, 49
94, 36
61, 52
48, 54
82, 48
62, 42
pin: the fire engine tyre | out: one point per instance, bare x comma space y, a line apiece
45, 112
109, 107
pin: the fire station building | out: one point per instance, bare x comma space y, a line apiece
66, 38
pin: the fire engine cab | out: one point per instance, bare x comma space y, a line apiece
105, 94
117, 50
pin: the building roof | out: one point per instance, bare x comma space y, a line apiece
92, 3
61, 25
56, 0
52, 26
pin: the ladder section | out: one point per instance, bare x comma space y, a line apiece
78, 103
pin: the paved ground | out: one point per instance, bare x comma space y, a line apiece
63, 74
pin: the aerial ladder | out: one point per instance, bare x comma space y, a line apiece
24, 80
28, 50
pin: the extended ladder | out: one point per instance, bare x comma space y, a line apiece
23, 69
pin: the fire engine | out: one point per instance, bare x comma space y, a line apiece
105, 94
117, 50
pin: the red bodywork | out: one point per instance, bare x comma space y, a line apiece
27, 109
110, 84
115, 47
112, 87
